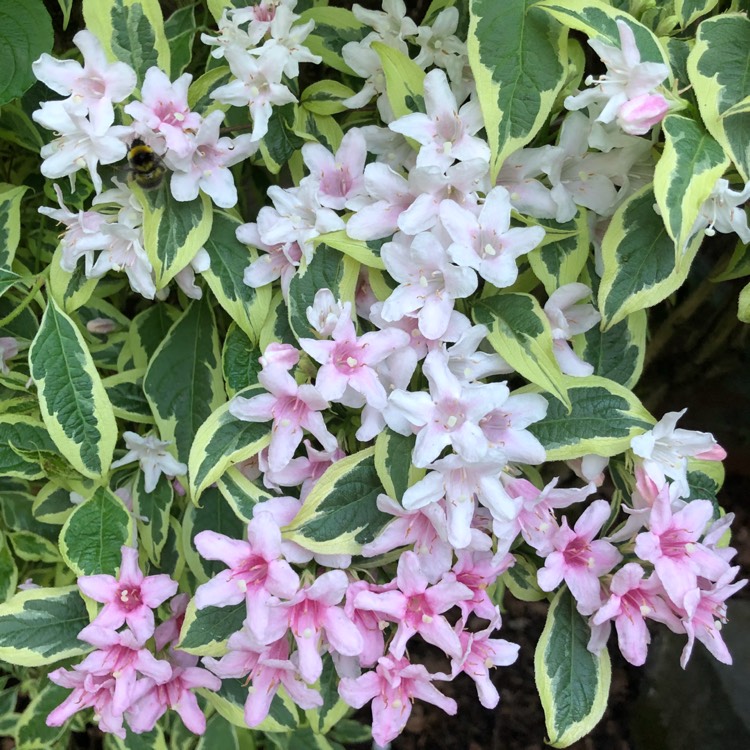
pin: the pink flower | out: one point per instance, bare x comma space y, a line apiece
312, 613
632, 600
349, 361
370, 623
277, 261
169, 630
672, 546
449, 415
445, 132
417, 607
257, 572
267, 668
579, 560
706, 612
175, 694
391, 687
637, 116
478, 571
486, 242
164, 109
480, 652
130, 598
206, 167
93, 87
8, 350
292, 408
339, 178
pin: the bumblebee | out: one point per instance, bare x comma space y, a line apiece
146, 167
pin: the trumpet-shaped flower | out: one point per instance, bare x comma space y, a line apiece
486, 242
391, 688
292, 407
579, 559
447, 133
150, 452
349, 361
91, 88
130, 598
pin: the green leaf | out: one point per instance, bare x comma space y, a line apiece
280, 143
223, 440
153, 740
328, 269
691, 10
561, 259
603, 419
154, 507
598, 20
522, 582
393, 463
572, 682
520, 332
325, 717
641, 265
32, 732
241, 494
325, 97
239, 360
618, 352
24, 434
219, 734
41, 626
148, 330
205, 631
10, 195
173, 231
74, 404
8, 571
340, 513
25, 34
180, 30
246, 306
183, 381
404, 80
685, 175
719, 70
334, 27
276, 327
129, 402
737, 266
91, 538
366, 253
131, 31
518, 56
31, 547
52, 504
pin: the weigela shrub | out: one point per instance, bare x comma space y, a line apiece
325, 341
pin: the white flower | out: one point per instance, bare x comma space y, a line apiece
721, 212
150, 452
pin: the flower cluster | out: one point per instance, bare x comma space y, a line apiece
121, 679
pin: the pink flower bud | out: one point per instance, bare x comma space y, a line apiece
637, 116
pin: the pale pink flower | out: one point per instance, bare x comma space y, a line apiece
391, 687
339, 177
666, 448
206, 166
151, 454
706, 612
579, 559
428, 282
169, 630
568, 319
313, 613
505, 428
176, 694
449, 415
486, 242
130, 598
479, 653
528, 195
445, 132
631, 602
287, 35
468, 363
292, 408
418, 607
671, 545
276, 261
91, 88
89, 691
422, 529
349, 361
256, 573
258, 86
626, 78
370, 623
478, 571
326, 311
303, 470
164, 109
